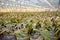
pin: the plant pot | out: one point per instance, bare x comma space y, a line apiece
7, 37
1, 37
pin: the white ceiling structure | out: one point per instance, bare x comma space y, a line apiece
29, 3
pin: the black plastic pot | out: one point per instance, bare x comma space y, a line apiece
1, 37
7, 37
